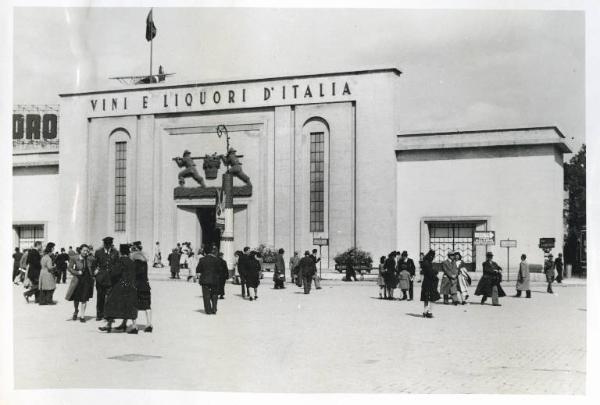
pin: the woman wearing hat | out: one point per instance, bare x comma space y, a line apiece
81, 288
253, 275
121, 302
429, 291
142, 284
47, 280
489, 285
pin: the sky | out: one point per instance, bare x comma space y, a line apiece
462, 69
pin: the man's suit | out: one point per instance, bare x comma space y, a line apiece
210, 269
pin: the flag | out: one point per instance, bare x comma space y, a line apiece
150, 27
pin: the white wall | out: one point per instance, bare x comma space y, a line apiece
520, 190
35, 201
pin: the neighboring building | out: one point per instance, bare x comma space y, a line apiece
35, 174
327, 158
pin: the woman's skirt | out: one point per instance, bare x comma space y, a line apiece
144, 300
121, 303
84, 289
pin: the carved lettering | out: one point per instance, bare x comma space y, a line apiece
267, 94
188, 99
202, 97
113, 104
94, 102
307, 93
231, 96
216, 97
346, 89
145, 102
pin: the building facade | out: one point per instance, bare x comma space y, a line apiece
327, 159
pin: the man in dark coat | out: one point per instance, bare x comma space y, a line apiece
16, 263
243, 262
307, 271
34, 266
224, 275
107, 258
406, 263
209, 268
489, 284
558, 265
449, 286
62, 260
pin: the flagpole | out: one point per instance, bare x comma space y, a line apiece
151, 60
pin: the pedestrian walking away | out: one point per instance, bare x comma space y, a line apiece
81, 287
307, 271
173, 260
32, 275
252, 274
279, 273
523, 278
209, 269
489, 284
294, 260
429, 291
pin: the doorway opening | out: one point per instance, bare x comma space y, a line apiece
211, 235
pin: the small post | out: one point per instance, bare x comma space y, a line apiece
508, 263
320, 261
150, 60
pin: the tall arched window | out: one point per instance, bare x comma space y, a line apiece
120, 186
119, 145
317, 131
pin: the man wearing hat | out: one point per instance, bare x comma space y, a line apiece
489, 284
210, 268
190, 169
235, 166
549, 272
449, 286
106, 259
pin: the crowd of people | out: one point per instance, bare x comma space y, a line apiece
120, 278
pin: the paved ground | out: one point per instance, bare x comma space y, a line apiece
338, 339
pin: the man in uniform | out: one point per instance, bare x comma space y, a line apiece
235, 166
190, 169
210, 267
106, 259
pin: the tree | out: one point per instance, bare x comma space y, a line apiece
575, 184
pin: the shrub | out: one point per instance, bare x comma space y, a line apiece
354, 257
267, 253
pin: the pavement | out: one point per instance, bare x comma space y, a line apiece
340, 339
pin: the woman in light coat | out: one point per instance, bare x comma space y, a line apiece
523, 278
47, 280
464, 280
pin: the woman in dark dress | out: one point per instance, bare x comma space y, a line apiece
81, 288
389, 276
429, 287
141, 283
252, 275
121, 303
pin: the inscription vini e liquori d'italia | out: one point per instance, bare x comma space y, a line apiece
221, 97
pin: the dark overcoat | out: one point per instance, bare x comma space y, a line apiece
252, 273
450, 279
121, 302
390, 277
429, 286
106, 263
209, 267
491, 277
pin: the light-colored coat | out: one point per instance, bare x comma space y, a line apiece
523, 278
47, 281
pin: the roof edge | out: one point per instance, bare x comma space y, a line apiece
393, 70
